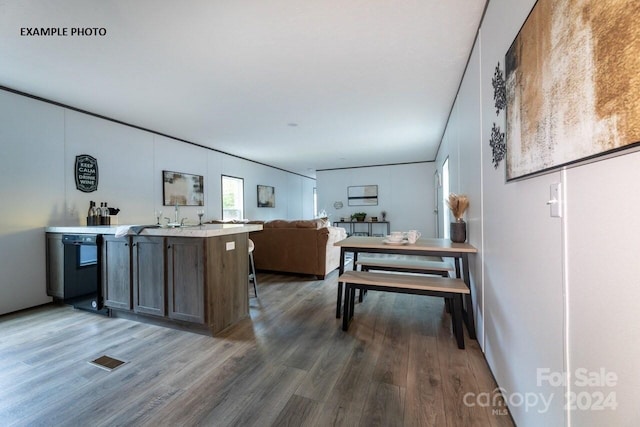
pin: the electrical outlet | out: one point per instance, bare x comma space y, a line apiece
230, 246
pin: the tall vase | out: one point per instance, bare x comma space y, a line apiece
458, 231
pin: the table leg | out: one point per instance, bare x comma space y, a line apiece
345, 311
355, 268
340, 271
468, 310
352, 301
457, 314
456, 263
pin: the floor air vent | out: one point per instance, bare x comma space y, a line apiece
106, 362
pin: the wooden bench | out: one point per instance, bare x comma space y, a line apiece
448, 288
405, 265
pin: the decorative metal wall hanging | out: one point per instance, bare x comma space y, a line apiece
499, 90
498, 146
497, 142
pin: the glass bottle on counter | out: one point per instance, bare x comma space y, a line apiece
103, 213
107, 217
91, 213
96, 215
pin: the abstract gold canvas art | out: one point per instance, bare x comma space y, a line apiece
573, 84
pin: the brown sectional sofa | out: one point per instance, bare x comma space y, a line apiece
302, 247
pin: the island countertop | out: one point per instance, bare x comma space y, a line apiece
205, 230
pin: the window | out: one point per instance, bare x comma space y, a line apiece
445, 196
315, 202
232, 198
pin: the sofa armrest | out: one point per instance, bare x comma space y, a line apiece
336, 234
332, 257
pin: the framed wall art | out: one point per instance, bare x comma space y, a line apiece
362, 195
182, 189
572, 85
266, 196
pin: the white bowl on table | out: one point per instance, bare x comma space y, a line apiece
395, 239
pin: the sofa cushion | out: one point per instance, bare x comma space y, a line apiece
234, 221
314, 224
277, 223
304, 224
323, 222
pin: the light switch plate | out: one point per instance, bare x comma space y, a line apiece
555, 200
230, 245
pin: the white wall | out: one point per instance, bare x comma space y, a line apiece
603, 283
405, 192
126, 160
461, 145
37, 186
32, 192
553, 294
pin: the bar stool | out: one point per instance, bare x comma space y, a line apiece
252, 268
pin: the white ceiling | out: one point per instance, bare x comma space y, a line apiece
365, 82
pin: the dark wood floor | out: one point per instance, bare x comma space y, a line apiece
290, 364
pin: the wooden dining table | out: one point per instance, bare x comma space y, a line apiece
424, 246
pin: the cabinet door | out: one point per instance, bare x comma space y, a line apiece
55, 265
116, 272
185, 279
149, 275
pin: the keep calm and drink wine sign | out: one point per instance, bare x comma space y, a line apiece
86, 171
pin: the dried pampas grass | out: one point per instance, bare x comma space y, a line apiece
458, 203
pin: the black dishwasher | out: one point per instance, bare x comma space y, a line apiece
82, 273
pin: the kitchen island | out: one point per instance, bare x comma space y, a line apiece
193, 277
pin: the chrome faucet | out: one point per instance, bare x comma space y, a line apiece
176, 220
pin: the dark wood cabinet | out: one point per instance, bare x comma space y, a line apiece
148, 262
55, 265
185, 279
116, 272
198, 282
227, 280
